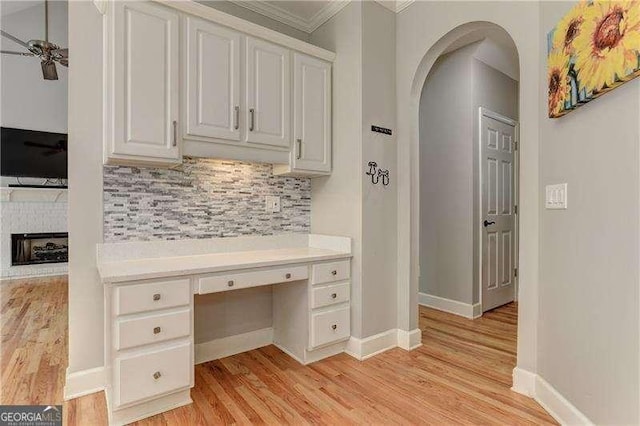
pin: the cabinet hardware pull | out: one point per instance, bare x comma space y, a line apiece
230, 283
334, 272
156, 297
299, 149
157, 375
334, 326
175, 133
252, 113
334, 295
288, 276
157, 330
236, 117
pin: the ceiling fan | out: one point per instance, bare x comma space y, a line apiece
49, 53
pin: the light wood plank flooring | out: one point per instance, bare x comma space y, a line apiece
461, 374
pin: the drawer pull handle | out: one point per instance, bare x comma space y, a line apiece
334, 272
230, 283
157, 330
157, 375
334, 295
288, 276
334, 326
156, 297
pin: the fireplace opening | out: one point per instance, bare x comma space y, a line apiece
30, 249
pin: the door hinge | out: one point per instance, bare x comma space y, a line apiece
515, 209
515, 272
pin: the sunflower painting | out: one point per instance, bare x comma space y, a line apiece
593, 49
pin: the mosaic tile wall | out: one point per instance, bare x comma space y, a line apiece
204, 199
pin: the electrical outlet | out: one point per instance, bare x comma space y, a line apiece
272, 204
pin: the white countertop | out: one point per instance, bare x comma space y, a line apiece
117, 269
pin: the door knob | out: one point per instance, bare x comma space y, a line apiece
487, 223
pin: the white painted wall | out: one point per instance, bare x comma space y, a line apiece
589, 270
86, 332
28, 101
379, 219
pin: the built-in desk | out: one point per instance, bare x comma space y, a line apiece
149, 289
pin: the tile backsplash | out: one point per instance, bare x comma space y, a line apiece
203, 199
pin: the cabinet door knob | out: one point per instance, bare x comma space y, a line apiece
334, 295
156, 297
252, 118
298, 149
236, 117
175, 133
334, 326
230, 283
334, 272
157, 375
157, 330
287, 276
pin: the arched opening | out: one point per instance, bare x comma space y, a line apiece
456, 39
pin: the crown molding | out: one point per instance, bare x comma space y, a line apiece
396, 6
279, 14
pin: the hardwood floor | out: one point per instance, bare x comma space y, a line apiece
461, 374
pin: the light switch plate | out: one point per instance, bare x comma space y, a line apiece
556, 196
272, 204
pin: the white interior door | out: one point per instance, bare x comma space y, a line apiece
497, 173
312, 114
146, 80
268, 94
212, 80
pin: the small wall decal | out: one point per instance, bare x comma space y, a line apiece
383, 130
377, 175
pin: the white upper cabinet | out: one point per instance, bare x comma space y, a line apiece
145, 82
211, 81
268, 94
311, 114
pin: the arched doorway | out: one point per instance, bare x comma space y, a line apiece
409, 199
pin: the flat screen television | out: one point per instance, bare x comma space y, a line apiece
30, 153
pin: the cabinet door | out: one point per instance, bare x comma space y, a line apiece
145, 81
312, 114
212, 81
268, 94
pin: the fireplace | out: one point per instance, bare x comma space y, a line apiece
30, 249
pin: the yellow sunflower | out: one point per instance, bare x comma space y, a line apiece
607, 45
569, 27
557, 81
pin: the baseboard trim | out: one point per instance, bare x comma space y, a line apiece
557, 405
451, 306
532, 385
362, 349
409, 340
84, 382
232, 345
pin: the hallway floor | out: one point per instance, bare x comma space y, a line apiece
461, 374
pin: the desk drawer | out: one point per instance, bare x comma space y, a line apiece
330, 272
331, 326
329, 295
150, 296
152, 329
239, 280
152, 374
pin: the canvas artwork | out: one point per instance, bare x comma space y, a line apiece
593, 49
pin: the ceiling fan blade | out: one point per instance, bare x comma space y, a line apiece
14, 39
49, 71
9, 52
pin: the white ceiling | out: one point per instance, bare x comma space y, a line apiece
308, 15
7, 7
